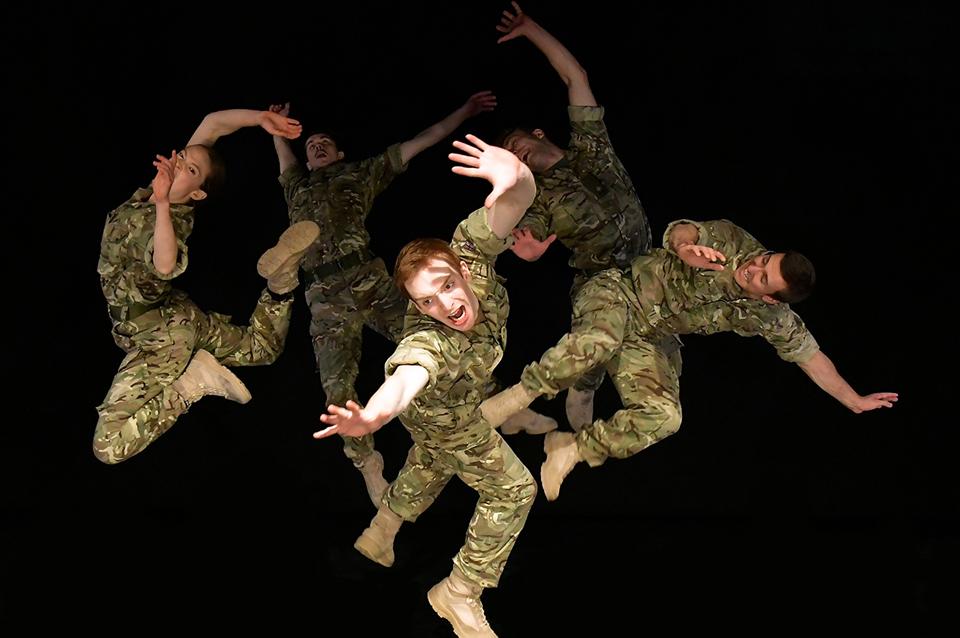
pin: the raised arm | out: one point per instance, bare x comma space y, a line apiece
392, 398
513, 186
284, 153
165, 248
216, 125
476, 104
821, 369
516, 24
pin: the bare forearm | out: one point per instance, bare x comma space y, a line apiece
433, 134
285, 154
164, 241
219, 123
822, 371
512, 204
395, 394
566, 66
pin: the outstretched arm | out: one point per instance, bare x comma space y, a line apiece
216, 125
516, 24
392, 398
476, 104
284, 152
513, 185
824, 374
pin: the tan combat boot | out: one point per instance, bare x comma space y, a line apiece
562, 455
371, 467
502, 405
529, 421
279, 265
457, 600
376, 542
579, 408
206, 377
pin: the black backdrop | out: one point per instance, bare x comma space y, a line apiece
815, 127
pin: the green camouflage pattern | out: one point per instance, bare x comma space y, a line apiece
141, 404
127, 273
627, 321
450, 435
338, 199
339, 308
589, 201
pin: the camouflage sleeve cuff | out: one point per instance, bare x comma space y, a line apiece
292, 175
413, 352
702, 229
178, 268
802, 353
395, 160
535, 223
585, 113
475, 239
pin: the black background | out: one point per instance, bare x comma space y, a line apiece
814, 127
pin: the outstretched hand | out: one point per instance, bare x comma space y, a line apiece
875, 400
513, 25
527, 247
697, 256
498, 166
350, 420
480, 103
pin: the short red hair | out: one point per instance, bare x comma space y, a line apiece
415, 256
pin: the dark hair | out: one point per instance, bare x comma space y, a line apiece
800, 276
504, 133
218, 172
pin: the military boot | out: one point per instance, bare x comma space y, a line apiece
205, 376
279, 265
562, 455
376, 542
457, 600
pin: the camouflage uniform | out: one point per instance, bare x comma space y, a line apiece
450, 435
628, 320
160, 328
347, 286
588, 200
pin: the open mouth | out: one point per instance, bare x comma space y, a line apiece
458, 315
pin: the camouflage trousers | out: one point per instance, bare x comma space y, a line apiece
141, 405
591, 380
340, 305
488, 466
644, 366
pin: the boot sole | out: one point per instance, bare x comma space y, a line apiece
292, 243
369, 549
432, 594
550, 444
439, 610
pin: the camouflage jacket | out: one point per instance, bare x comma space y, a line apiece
588, 200
675, 298
127, 273
338, 198
459, 364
